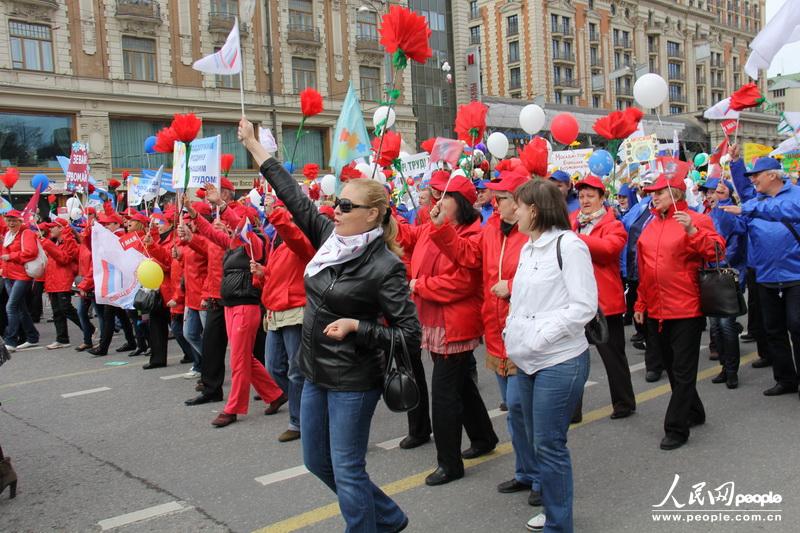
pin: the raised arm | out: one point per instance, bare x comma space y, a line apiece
291, 234
208, 231
465, 252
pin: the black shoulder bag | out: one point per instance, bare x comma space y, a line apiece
400, 391
720, 296
597, 328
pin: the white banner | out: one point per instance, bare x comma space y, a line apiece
204, 158
414, 165
572, 161
115, 279
267, 140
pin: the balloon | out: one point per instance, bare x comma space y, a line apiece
73, 203
75, 214
149, 145
40, 182
695, 175
150, 274
410, 182
482, 147
328, 184
531, 118
498, 145
365, 169
701, 160
601, 163
384, 113
564, 128
650, 91
289, 166
478, 156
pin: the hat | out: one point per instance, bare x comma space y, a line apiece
762, 164
591, 181
480, 184
439, 180
61, 222
113, 218
225, 183
45, 226
560, 175
91, 211
14, 213
464, 187
647, 178
662, 182
510, 180
625, 190
202, 208
713, 183
136, 216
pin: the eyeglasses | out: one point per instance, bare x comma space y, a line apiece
346, 205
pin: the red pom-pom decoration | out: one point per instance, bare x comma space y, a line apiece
91, 188
11, 177
534, 156
410, 182
125, 175
427, 145
314, 191
618, 124
200, 193
186, 127
387, 151
225, 163
310, 102
349, 172
51, 199
471, 122
113, 184
311, 171
747, 95
165, 141
406, 32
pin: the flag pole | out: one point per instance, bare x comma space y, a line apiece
241, 89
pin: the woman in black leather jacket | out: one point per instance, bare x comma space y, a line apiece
357, 300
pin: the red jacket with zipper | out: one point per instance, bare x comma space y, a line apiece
21, 250
85, 263
669, 260
284, 287
606, 242
59, 274
195, 268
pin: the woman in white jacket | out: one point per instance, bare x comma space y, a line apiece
551, 303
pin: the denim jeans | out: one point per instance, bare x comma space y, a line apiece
525, 464
193, 323
549, 398
725, 334
86, 324
17, 311
176, 327
335, 432
282, 346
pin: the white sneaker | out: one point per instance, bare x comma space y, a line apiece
536, 523
191, 375
11, 348
25, 345
56, 345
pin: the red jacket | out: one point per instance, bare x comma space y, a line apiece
85, 264
606, 242
497, 256
21, 250
456, 289
176, 280
195, 267
61, 259
284, 288
161, 252
668, 263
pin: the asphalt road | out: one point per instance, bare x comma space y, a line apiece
126, 455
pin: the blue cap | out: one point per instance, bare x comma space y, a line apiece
480, 184
710, 183
624, 190
560, 175
764, 163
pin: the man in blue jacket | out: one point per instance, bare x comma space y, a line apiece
564, 183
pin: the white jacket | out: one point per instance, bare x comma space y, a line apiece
549, 306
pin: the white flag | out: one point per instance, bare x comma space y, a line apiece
790, 122
247, 9
782, 29
228, 60
789, 145
114, 269
721, 111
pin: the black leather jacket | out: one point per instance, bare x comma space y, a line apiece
371, 289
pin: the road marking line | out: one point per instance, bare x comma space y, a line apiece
637, 367
143, 514
494, 413
289, 473
172, 376
83, 392
390, 444
320, 514
59, 376
589, 384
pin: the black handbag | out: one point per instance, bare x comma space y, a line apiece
147, 300
720, 296
400, 390
597, 328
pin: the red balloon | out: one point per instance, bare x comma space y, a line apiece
564, 128
410, 181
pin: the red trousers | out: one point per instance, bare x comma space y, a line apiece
242, 323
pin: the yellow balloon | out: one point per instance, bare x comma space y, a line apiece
150, 274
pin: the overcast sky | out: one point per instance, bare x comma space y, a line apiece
788, 59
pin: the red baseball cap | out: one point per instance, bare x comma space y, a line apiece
60, 222
113, 218
464, 187
136, 216
591, 181
439, 180
45, 226
14, 213
225, 183
662, 182
510, 180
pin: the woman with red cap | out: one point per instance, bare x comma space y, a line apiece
598, 227
86, 286
671, 249
136, 224
449, 304
19, 247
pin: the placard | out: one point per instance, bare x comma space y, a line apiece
641, 149
414, 165
78, 168
572, 161
204, 155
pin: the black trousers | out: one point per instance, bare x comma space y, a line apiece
3, 315
140, 328
456, 404
158, 335
632, 292
652, 353
35, 300
260, 347
679, 345
619, 374
63, 310
755, 319
215, 342
110, 314
781, 318
419, 418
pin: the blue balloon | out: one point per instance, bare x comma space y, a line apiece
289, 166
601, 163
40, 182
482, 147
149, 143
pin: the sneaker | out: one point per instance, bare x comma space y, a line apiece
536, 523
191, 375
25, 345
11, 349
56, 345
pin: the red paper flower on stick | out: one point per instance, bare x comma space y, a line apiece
200, 193
165, 141
311, 171
471, 122
534, 156
747, 95
113, 184
405, 34
427, 146
388, 151
225, 163
51, 199
11, 177
186, 127
310, 102
618, 124
314, 191
349, 172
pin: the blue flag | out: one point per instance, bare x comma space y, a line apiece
350, 139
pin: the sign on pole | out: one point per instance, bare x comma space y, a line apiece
414, 165
78, 168
204, 157
572, 161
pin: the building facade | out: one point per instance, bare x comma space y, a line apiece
784, 92
113, 72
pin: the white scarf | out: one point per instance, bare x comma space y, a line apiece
337, 250
9, 238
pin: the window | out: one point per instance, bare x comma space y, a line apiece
513, 52
557, 97
367, 26
36, 140
370, 84
674, 71
675, 93
567, 50
513, 25
557, 75
675, 110
779, 93
594, 56
565, 24
514, 78
229, 7
304, 74
224, 81
301, 14
310, 148
652, 44
596, 101
475, 35
673, 49
593, 35
31, 46
617, 60
568, 74
570, 100
126, 144
473, 9
556, 47
229, 142
139, 58
620, 104
554, 23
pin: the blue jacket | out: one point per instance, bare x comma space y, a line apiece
487, 210
772, 250
572, 202
634, 222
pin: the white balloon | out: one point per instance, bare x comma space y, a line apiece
531, 118
328, 184
365, 169
381, 114
73, 203
75, 213
650, 91
498, 145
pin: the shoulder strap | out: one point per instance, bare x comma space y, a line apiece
558, 252
792, 229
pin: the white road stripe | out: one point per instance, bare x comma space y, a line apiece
390, 444
637, 366
589, 384
171, 376
138, 516
289, 473
494, 413
82, 392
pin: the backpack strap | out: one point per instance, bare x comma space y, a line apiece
558, 252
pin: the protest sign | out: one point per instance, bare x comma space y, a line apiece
204, 155
78, 168
572, 161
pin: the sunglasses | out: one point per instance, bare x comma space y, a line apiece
346, 205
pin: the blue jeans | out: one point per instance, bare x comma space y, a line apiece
335, 432
549, 398
282, 346
18, 314
525, 464
176, 327
725, 333
193, 323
